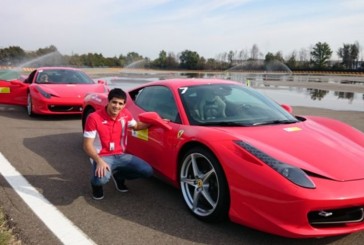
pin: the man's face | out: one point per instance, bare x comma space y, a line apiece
44, 78
114, 106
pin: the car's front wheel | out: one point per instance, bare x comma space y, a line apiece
203, 185
30, 105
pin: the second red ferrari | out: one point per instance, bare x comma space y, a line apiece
50, 90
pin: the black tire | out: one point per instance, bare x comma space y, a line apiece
30, 106
85, 115
203, 185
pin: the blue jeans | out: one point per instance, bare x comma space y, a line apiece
123, 166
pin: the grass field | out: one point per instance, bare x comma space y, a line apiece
6, 236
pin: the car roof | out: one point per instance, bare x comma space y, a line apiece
181, 82
57, 68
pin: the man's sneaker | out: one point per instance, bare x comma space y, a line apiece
120, 185
97, 192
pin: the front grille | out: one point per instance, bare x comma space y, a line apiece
65, 108
336, 216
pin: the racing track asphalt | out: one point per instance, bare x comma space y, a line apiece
47, 152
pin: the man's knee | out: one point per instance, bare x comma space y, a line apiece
148, 171
100, 181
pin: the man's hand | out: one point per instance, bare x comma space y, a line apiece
101, 165
140, 125
101, 168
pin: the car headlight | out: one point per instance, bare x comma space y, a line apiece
44, 93
294, 174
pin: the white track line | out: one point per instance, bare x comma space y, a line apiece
62, 227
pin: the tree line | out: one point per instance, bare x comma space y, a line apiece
318, 57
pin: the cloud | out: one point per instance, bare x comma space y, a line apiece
114, 27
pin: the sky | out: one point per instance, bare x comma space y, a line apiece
208, 27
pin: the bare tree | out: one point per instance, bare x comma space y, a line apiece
254, 52
292, 60
243, 54
230, 57
303, 55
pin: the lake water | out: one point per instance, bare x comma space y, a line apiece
292, 95
334, 100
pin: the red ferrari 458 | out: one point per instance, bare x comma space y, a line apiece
50, 90
235, 153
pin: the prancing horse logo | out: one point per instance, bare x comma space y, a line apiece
180, 133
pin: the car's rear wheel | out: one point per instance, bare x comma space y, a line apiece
85, 115
30, 106
203, 185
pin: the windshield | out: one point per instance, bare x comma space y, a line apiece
231, 105
62, 76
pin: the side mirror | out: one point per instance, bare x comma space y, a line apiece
287, 108
101, 82
153, 118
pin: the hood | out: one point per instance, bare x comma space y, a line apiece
309, 146
72, 90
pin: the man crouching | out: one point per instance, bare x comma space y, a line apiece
105, 138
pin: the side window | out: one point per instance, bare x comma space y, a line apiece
160, 100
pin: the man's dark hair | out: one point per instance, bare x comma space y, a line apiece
117, 93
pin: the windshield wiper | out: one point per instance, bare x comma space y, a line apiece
275, 122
